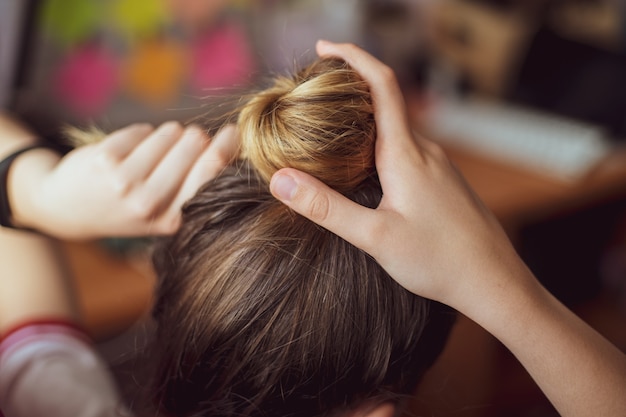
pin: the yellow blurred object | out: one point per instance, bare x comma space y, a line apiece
139, 18
71, 22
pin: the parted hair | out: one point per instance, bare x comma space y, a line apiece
261, 312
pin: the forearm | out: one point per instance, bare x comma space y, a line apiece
34, 282
579, 371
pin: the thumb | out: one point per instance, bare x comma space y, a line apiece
319, 203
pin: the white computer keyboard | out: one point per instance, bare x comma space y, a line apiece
562, 148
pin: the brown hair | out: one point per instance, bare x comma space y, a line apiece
259, 311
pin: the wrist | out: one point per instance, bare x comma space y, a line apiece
26, 175
500, 296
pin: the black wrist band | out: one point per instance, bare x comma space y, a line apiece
5, 165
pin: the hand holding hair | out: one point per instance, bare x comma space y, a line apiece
132, 183
430, 227
435, 237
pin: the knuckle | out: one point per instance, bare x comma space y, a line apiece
221, 158
377, 233
387, 74
121, 185
104, 158
168, 225
318, 207
436, 150
143, 207
440, 156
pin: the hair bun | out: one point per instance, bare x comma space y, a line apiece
321, 122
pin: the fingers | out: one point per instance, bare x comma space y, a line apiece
206, 165
326, 207
222, 150
121, 142
157, 171
142, 160
397, 152
166, 179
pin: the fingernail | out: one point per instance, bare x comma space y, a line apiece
283, 186
227, 130
169, 128
194, 130
142, 126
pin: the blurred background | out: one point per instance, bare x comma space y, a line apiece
115, 61
527, 96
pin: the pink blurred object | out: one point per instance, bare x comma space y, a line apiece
87, 80
220, 59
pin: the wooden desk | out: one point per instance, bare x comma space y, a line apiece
517, 196
113, 292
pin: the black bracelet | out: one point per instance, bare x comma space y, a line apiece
5, 165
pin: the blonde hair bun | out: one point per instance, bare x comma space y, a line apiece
320, 121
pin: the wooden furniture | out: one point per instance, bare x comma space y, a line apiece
113, 292
517, 196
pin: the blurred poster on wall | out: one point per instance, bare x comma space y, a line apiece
114, 62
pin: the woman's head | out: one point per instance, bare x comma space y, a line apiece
261, 312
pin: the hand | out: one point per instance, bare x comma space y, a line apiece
430, 232
132, 183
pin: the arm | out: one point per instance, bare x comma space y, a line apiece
436, 238
33, 283
52, 369
34, 288
47, 369
132, 183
